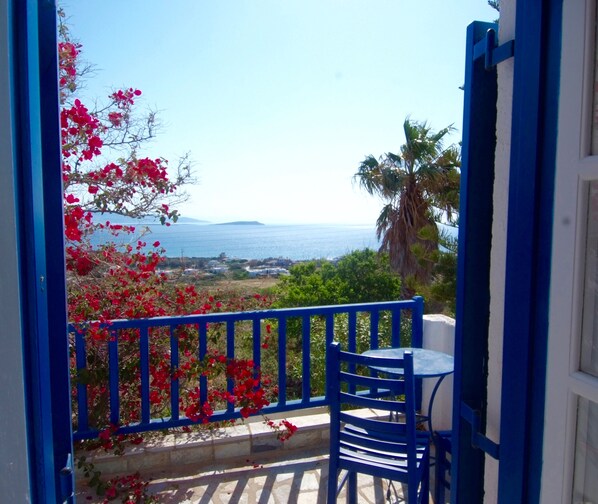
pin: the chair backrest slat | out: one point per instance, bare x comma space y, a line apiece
393, 386
370, 424
364, 401
371, 360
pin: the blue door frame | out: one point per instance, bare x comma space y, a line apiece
529, 241
38, 174
473, 286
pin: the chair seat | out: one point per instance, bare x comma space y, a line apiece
380, 455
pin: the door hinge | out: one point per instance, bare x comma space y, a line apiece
67, 486
493, 53
478, 440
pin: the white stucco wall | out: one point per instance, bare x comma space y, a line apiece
439, 335
498, 253
14, 475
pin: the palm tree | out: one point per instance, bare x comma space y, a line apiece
420, 187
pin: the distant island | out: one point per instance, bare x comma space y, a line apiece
149, 220
191, 220
241, 223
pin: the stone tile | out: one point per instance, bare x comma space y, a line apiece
263, 438
319, 421
228, 450
99, 456
310, 498
133, 450
194, 438
148, 461
234, 491
281, 493
238, 433
309, 481
232, 442
203, 454
304, 438
111, 465
158, 443
374, 489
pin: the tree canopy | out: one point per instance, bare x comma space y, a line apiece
419, 187
359, 277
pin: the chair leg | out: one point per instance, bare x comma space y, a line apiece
332, 483
426, 481
352, 488
442, 442
425, 490
439, 475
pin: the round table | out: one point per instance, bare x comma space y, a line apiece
426, 364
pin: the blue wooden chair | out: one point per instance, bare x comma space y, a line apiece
390, 450
442, 468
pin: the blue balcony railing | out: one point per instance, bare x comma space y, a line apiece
358, 326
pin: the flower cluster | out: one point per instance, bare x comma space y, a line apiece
132, 489
130, 185
67, 77
284, 429
248, 393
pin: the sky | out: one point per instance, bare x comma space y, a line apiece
278, 101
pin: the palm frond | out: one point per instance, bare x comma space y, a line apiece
368, 175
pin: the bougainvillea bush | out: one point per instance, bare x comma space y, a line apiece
105, 174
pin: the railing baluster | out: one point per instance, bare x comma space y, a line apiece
396, 328
145, 378
329, 329
81, 363
417, 337
203, 350
352, 336
282, 361
417, 322
257, 344
230, 353
114, 377
174, 380
329, 337
374, 329
306, 357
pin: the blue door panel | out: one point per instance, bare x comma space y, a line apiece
40, 244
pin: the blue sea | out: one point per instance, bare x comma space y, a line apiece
296, 242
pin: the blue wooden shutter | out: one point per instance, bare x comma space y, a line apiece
40, 242
473, 287
531, 188
529, 240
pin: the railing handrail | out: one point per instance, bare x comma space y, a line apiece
247, 315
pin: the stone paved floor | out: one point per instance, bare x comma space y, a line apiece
298, 479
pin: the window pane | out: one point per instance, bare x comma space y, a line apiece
585, 480
589, 337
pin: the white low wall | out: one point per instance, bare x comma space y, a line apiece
439, 335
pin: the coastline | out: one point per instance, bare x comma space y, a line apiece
294, 242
